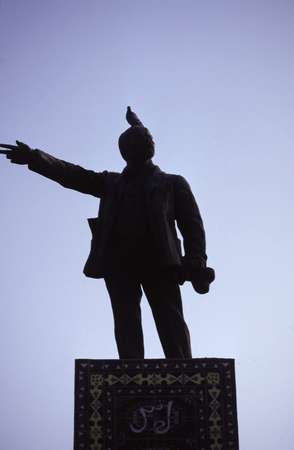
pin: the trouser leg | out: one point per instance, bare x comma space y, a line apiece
164, 296
125, 294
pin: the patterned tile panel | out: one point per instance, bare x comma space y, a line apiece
155, 404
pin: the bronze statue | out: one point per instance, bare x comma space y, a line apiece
134, 239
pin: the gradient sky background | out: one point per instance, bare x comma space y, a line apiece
213, 81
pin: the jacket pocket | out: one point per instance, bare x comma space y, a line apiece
94, 224
179, 243
93, 264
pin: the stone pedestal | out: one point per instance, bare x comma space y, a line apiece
155, 404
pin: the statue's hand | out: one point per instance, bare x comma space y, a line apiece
17, 154
202, 279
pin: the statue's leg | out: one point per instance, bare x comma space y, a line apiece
164, 296
125, 294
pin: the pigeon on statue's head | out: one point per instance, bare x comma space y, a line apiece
136, 143
132, 118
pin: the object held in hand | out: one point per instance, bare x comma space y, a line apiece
202, 279
199, 277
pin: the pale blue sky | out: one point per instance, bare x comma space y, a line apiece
213, 81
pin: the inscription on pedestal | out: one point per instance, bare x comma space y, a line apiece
157, 420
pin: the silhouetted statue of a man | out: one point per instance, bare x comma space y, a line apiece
135, 243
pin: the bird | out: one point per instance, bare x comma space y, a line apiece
132, 118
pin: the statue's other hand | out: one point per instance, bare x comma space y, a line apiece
202, 280
17, 154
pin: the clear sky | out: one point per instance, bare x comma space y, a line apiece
213, 81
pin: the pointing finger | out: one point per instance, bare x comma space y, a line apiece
5, 152
11, 147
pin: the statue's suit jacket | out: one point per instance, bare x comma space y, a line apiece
169, 200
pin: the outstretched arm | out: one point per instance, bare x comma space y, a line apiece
67, 174
190, 224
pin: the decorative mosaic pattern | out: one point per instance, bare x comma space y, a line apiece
155, 404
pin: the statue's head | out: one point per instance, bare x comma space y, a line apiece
136, 143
